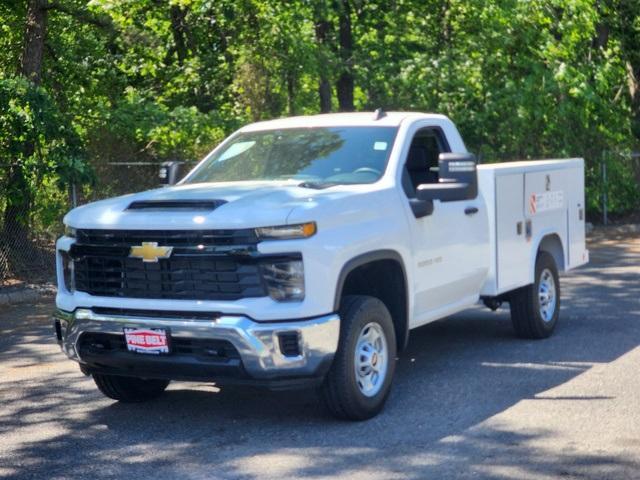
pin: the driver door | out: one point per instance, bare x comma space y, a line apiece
448, 242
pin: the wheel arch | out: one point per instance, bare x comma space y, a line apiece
550, 242
379, 264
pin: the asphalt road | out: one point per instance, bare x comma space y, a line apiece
469, 401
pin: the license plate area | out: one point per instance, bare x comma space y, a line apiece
150, 341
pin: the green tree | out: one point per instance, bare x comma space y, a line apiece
141, 80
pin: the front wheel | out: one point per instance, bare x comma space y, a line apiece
359, 380
535, 308
129, 389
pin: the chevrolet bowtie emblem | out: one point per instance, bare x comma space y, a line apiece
150, 252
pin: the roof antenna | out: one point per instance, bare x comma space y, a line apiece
378, 114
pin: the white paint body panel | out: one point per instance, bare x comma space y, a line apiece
509, 246
546, 197
450, 258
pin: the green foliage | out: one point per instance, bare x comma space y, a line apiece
37, 144
621, 186
141, 80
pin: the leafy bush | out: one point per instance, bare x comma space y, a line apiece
39, 148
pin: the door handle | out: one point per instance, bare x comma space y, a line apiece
471, 210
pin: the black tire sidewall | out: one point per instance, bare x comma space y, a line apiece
360, 311
546, 261
129, 389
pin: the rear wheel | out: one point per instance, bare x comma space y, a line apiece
359, 380
535, 308
129, 389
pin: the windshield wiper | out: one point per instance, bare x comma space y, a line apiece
318, 185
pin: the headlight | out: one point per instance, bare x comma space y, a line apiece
69, 231
284, 279
68, 275
287, 232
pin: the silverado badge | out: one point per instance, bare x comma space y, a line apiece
150, 252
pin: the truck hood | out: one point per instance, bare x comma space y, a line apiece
241, 205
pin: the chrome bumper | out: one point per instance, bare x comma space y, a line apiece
257, 343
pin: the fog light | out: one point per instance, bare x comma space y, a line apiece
289, 344
284, 279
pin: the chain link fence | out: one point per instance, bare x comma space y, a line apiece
619, 173
25, 257
27, 250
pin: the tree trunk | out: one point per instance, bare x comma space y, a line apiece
178, 29
15, 221
324, 91
34, 36
345, 84
322, 28
291, 93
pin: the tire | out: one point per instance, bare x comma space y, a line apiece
365, 326
529, 316
129, 389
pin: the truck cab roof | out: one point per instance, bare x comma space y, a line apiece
360, 119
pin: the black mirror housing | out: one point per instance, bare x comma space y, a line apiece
169, 172
458, 179
460, 168
421, 208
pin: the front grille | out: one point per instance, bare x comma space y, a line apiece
179, 278
206, 350
200, 267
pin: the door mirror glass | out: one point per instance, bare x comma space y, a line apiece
458, 179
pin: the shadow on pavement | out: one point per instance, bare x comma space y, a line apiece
455, 375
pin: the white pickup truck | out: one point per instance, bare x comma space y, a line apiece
302, 251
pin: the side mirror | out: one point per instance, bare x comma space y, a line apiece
421, 208
458, 179
169, 172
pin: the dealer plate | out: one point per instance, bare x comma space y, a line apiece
154, 341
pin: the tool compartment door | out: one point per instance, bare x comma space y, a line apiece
546, 199
578, 254
512, 248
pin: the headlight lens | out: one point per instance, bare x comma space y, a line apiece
287, 232
67, 272
69, 231
284, 279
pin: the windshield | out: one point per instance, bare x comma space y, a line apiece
316, 157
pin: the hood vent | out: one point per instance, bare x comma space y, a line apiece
189, 205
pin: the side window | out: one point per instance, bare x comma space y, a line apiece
421, 165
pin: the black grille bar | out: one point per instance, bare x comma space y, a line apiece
206, 350
174, 238
155, 314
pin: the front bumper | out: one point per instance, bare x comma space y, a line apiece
261, 360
